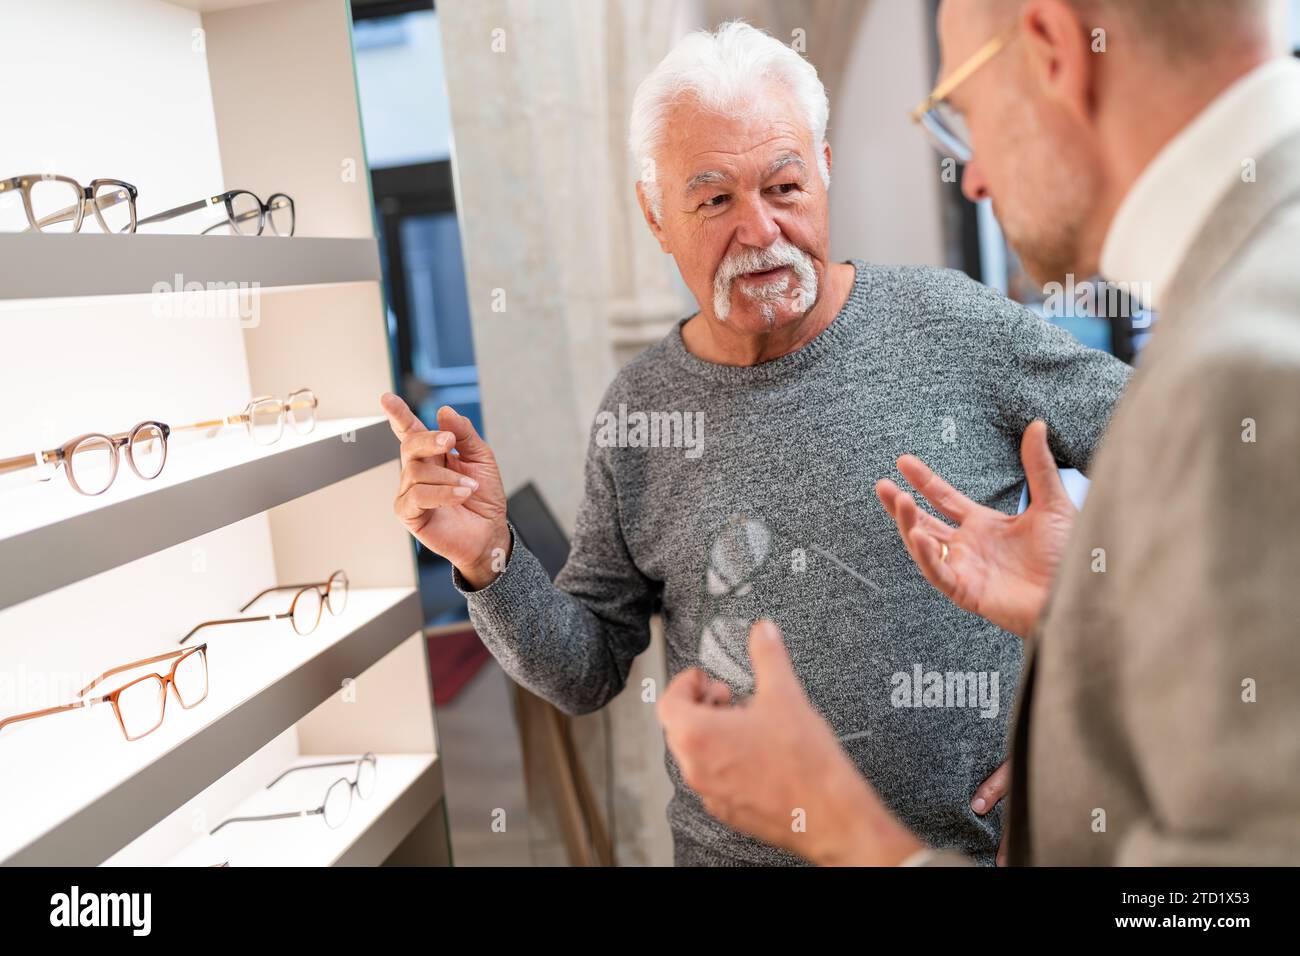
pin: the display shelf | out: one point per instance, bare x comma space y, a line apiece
41, 266
406, 786
102, 791
260, 95
51, 536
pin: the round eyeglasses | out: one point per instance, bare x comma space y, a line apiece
91, 461
337, 804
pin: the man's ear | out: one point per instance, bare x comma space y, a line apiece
1059, 55
650, 219
826, 151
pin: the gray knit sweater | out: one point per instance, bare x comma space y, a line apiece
718, 494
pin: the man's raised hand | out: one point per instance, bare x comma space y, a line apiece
998, 566
450, 494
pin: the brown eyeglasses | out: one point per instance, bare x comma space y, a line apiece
304, 610
141, 704
90, 461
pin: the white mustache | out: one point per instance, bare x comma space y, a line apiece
778, 254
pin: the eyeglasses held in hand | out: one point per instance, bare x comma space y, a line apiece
141, 704
246, 215
338, 798
59, 204
265, 415
304, 610
91, 461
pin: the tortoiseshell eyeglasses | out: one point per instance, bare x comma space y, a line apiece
304, 610
141, 704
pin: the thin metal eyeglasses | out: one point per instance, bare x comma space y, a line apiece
246, 214
338, 798
141, 704
304, 610
91, 461
943, 125
59, 203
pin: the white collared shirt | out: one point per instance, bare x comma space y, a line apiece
1161, 215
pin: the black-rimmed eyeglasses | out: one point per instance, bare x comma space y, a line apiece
245, 214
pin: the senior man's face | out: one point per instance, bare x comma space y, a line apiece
745, 210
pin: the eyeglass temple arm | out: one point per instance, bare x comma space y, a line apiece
230, 620
179, 211
19, 462
210, 425
963, 72
126, 667
284, 587
49, 710
268, 816
312, 766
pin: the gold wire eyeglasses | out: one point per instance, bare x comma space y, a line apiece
943, 125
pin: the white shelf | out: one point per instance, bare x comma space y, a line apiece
406, 788
51, 536
99, 791
43, 266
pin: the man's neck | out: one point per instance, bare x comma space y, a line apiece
713, 341
1153, 111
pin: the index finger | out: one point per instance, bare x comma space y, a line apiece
401, 419
947, 500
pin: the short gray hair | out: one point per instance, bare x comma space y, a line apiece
720, 69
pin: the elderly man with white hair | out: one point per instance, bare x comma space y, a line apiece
731, 469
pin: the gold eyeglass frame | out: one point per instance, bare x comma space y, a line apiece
945, 87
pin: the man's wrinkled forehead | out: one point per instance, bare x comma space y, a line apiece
761, 131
